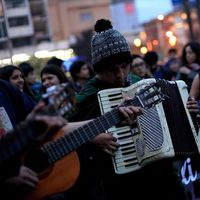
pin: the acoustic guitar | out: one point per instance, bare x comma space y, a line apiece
57, 163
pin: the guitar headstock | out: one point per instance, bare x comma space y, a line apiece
60, 99
150, 95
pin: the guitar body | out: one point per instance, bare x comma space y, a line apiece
58, 177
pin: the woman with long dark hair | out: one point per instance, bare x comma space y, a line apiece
52, 75
190, 63
14, 75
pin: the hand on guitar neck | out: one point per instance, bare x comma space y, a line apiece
130, 113
107, 142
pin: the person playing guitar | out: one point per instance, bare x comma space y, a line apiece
34, 131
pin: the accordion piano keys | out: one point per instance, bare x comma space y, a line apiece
125, 157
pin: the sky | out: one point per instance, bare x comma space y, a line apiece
149, 9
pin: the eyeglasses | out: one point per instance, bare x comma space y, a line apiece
141, 64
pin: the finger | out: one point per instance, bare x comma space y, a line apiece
137, 110
29, 183
36, 109
62, 121
192, 108
114, 143
133, 109
29, 171
125, 97
108, 151
112, 147
129, 110
39, 106
191, 100
32, 179
52, 121
141, 110
110, 137
123, 112
192, 103
193, 111
131, 113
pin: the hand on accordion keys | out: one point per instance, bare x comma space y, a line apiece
107, 142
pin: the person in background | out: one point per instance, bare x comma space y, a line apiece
58, 62
172, 53
171, 69
80, 72
190, 63
29, 76
139, 68
151, 61
14, 75
51, 75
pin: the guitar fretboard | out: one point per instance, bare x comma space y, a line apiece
68, 143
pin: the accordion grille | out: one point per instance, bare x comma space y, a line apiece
151, 129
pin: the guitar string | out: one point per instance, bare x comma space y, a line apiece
55, 151
60, 147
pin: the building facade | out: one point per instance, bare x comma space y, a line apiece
71, 17
27, 26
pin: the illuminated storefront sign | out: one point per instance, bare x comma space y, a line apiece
187, 173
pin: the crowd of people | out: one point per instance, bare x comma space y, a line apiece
112, 66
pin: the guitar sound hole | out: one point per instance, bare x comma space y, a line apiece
36, 160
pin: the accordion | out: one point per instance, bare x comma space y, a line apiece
166, 130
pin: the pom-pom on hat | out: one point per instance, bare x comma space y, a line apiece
108, 47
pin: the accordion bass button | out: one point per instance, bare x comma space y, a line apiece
140, 147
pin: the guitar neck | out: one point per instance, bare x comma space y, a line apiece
68, 143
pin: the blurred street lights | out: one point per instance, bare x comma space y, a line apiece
160, 31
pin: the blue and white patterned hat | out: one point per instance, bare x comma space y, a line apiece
108, 47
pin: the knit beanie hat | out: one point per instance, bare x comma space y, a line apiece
108, 47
